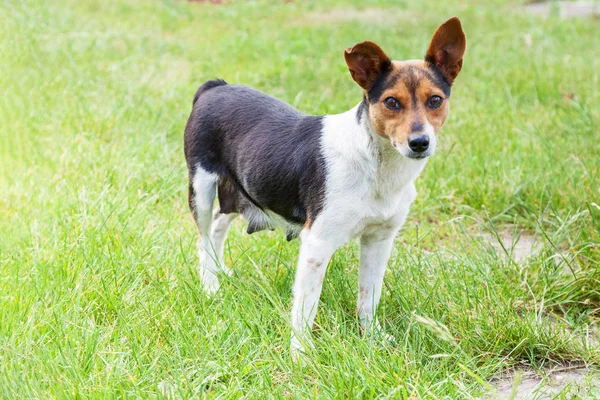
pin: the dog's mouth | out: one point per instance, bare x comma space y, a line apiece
418, 156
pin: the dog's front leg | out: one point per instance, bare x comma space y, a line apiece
375, 251
315, 254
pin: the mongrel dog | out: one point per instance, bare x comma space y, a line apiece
326, 178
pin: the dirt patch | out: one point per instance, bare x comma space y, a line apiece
574, 381
518, 245
366, 15
565, 9
206, 1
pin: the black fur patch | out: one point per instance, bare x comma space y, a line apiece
363, 107
266, 153
291, 235
383, 81
434, 74
191, 196
206, 86
389, 79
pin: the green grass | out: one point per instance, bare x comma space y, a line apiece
99, 296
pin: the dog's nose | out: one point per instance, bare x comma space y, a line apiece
418, 143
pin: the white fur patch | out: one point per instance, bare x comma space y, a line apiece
368, 181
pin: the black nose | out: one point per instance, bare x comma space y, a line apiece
418, 143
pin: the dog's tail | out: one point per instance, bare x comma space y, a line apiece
207, 86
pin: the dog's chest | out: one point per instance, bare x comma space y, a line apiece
368, 182
371, 192
391, 188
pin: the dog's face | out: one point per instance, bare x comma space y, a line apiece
408, 101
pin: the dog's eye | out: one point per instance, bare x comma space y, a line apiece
392, 103
434, 102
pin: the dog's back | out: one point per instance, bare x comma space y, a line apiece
265, 153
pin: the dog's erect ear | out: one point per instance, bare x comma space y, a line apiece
366, 61
447, 48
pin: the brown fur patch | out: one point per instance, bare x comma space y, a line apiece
447, 48
314, 265
412, 88
366, 61
362, 292
309, 221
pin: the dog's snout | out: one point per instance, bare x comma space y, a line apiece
418, 143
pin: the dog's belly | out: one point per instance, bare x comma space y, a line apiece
232, 200
259, 220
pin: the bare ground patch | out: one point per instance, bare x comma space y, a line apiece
565, 9
518, 245
574, 381
343, 15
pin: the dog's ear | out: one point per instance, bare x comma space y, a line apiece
366, 61
447, 48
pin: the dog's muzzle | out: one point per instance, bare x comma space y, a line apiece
419, 146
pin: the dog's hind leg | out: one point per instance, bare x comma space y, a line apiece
201, 198
220, 227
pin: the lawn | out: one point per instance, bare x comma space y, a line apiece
99, 293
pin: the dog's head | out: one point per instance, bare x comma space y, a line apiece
408, 101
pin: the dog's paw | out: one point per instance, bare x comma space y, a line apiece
209, 281
226, 270
210, 287
385, 337
375, 331
298, 349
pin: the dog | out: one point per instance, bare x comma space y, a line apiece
325, 179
